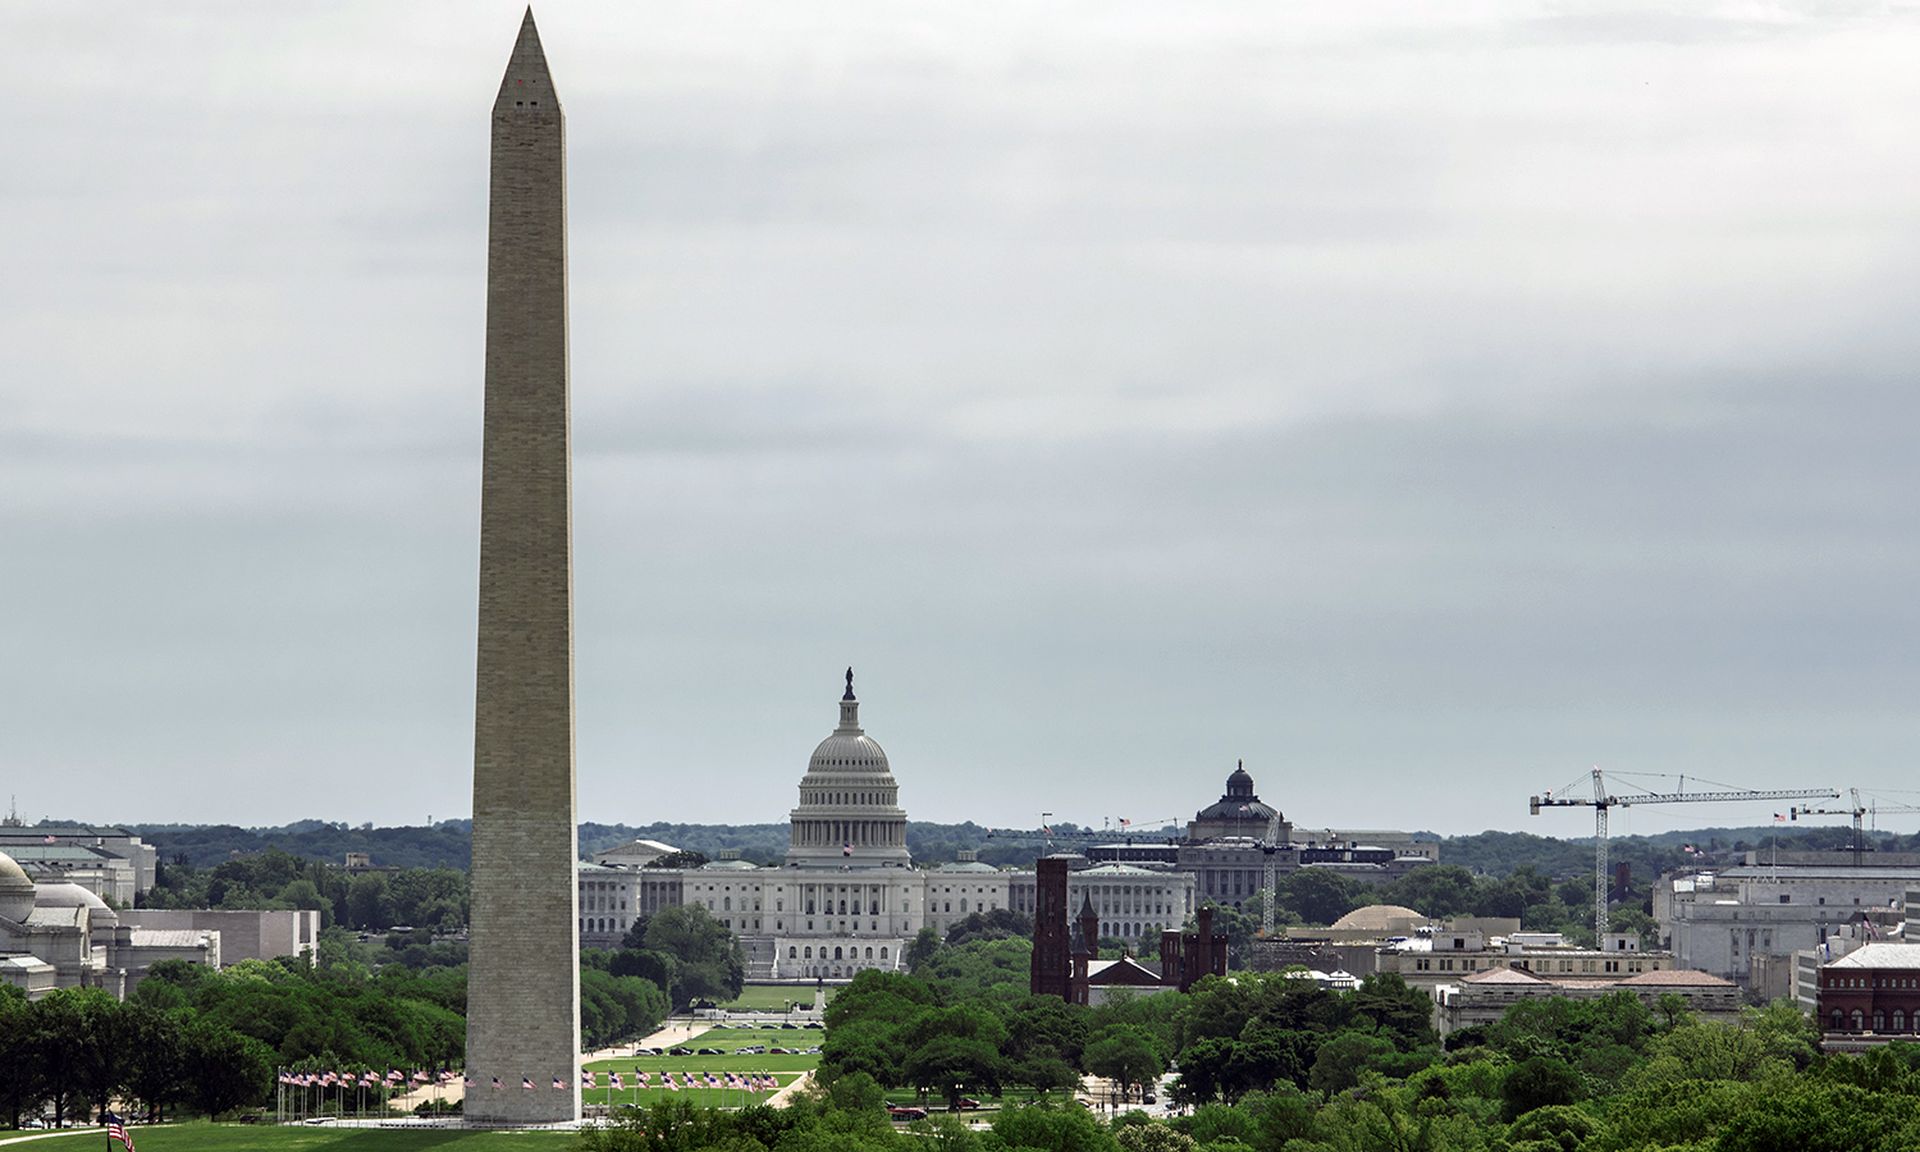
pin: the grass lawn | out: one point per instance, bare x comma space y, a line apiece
773, 997
786, 1069
246, 1137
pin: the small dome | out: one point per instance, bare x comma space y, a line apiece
1379, 918
65, 894
68, 895
16, 890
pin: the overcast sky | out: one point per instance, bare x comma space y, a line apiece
1422, 402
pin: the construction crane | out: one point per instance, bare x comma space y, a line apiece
1602, 801
1858, 811
1045, 834
1271, 846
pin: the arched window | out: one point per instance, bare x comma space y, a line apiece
1839, 1021
1859, 1020
869, 953
1879, 1020
837, 956
843, 907
792, 952
809, 952
883, 952
1899, 1020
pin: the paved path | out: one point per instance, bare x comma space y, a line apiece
96, 1133
785, 1096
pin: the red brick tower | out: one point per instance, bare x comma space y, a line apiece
1088, 950
1052, 966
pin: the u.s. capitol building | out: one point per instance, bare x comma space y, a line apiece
848, 896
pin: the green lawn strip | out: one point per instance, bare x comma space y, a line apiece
246, 1137
772, 997
786, 1068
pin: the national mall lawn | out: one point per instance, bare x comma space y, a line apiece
786, 1068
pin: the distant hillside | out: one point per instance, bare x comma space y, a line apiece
445, 844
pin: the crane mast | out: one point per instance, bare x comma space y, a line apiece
1602, 801
1270, 847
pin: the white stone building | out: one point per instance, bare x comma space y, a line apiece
1135, 904
846, 898
1745, 923
60, 935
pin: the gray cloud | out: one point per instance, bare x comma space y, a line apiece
1420, 405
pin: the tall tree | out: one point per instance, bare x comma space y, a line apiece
22, 1084
711, 963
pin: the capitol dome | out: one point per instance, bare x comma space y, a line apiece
16, 890
849, 814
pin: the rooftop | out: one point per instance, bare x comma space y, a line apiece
1880, 955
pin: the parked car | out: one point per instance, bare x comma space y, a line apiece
901, 1113
679, 1051
968, 1102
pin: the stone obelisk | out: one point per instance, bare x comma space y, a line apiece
523, 980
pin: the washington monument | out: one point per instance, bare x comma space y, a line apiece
523, 980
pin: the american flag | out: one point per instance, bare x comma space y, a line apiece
846, 849
559, 1085
526, 1082
496, 1082
117, 1130
613, 1078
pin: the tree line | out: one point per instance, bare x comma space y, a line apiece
430, 899
446, 843
1270, 1062
209, 1040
